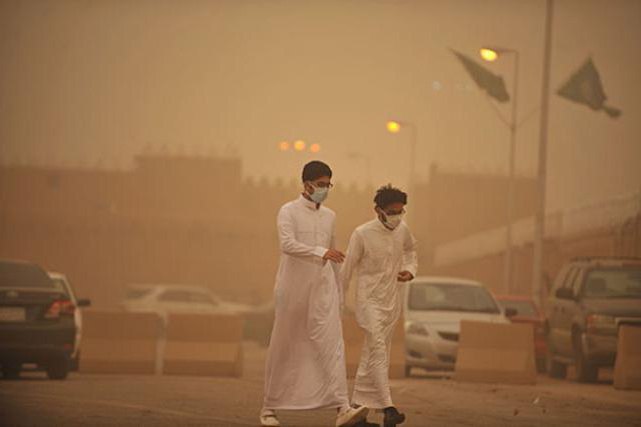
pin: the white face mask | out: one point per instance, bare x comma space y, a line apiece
320, 194
392, 221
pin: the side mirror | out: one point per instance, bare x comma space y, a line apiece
564, 293
511, 312
84, 302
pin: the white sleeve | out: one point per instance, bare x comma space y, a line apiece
288, 243
410, 258
352, 259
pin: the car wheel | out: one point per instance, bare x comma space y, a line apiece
58, 369
586, 372
11, 372
408, 371
74, 363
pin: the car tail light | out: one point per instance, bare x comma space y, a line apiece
60, 308
599, 322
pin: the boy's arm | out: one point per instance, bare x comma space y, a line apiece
287, 237
410, 257
352, 259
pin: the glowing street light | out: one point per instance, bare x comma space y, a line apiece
489, 54
315, 148
393, 126
299, 145
283, 146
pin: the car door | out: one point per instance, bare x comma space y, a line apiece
556, 308
566, 311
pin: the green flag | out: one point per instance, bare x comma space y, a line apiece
491, 83
584, 87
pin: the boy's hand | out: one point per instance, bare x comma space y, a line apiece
334, 255
405, 276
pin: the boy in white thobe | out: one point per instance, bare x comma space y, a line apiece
381, 254
305, 366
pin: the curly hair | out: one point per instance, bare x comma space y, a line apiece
386, 195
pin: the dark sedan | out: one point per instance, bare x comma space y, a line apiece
36, 321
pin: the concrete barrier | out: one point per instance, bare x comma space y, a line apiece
354, 338
496, 353
627, 368
118, 342
204, 344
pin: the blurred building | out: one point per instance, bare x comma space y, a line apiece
172, 219
195, 220
452, 205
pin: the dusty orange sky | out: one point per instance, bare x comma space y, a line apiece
96, 82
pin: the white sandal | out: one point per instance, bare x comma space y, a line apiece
268, 418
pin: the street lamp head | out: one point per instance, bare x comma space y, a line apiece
299, 145
492, 53
489, 54
283, 146
393, 126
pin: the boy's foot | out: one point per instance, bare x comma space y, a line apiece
392, 417
268, 418
350, 416
365, 423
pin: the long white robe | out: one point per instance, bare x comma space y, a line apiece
305, 366
376, 255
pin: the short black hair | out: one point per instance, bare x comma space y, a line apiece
316, 169
386, 195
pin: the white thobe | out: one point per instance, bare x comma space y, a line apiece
376, 255
305, 366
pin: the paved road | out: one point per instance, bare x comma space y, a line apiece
434, 400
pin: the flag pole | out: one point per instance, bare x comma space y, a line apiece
539, 224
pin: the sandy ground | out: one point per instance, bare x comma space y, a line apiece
428, 400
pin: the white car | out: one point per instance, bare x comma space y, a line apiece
62, 284
175, 298
434, 308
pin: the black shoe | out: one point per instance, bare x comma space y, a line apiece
392, 417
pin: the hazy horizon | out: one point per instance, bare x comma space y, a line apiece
89, 82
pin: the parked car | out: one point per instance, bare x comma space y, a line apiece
37, 323
591, 298
62, 283
434, 308
259, 322
176, 298
526, 311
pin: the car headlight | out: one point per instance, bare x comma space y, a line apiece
417, 329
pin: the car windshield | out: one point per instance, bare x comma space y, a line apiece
523, 308
613, 283
451, 297
137, 293
17, 275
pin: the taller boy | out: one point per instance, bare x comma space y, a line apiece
305, 366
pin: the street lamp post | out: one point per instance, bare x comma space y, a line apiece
539, 223
395, 126
491, 54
